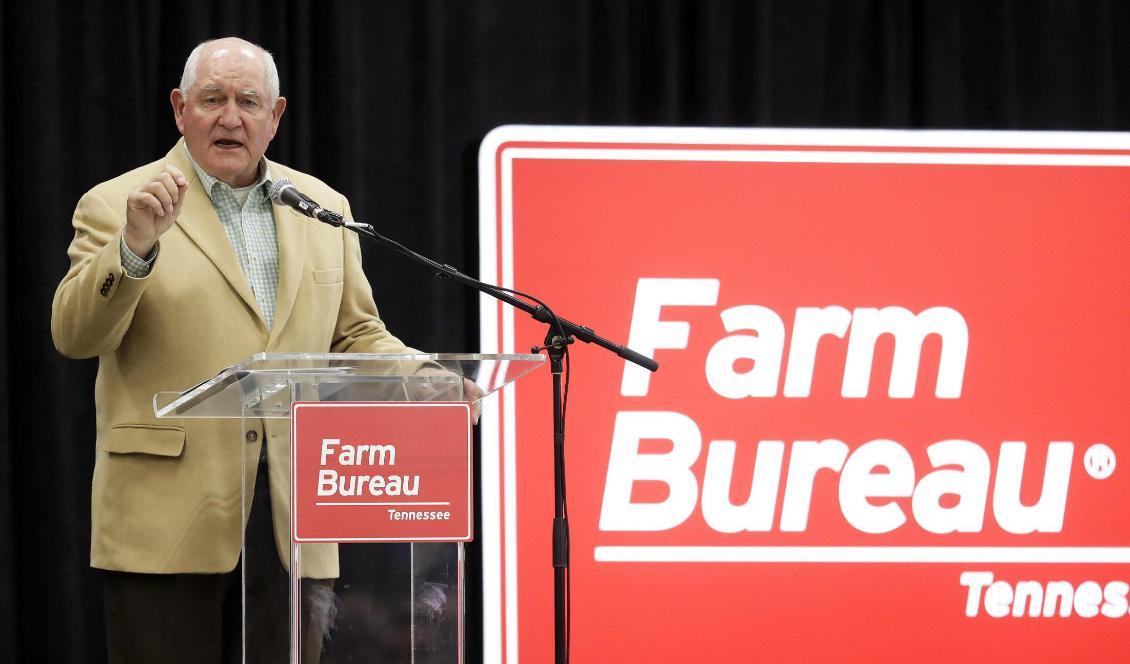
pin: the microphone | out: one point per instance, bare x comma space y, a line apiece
283, 193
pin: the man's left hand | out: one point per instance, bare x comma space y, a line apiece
434, 391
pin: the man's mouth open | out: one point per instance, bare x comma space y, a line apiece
227, 144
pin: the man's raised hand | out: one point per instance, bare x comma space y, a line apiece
152, 208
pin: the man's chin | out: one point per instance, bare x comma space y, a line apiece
231, 167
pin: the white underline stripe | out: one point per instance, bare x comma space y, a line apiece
379, 504
863, 554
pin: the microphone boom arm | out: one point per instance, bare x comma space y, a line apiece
444, 271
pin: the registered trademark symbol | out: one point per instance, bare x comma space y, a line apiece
1099, 461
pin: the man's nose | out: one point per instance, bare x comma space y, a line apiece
229, 116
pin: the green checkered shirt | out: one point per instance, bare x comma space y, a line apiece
250, 228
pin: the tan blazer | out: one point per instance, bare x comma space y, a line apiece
166, 493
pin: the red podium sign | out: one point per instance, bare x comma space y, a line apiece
381, 472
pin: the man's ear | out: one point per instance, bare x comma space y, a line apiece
276, 114
176, 98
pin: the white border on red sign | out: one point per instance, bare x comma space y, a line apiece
498, 422
377, 404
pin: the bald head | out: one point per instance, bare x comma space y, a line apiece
231, 48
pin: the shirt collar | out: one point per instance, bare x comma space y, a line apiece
211, 182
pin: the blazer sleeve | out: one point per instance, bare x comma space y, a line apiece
359, 328
95, 302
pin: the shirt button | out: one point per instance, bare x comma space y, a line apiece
252, 436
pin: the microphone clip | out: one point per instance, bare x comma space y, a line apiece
328, 217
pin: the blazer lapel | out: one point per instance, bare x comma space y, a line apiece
290, 228
199, 222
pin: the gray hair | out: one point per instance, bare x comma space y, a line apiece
188, 78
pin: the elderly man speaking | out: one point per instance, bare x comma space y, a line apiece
177, 269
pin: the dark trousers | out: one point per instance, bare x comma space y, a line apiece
197, 618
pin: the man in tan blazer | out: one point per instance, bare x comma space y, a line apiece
170, 280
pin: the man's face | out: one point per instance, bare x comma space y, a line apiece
227, 118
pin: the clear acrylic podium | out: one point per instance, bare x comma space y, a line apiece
348, 602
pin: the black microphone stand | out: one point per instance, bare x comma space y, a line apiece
560, 335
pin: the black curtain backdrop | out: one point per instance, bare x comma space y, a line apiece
387, 103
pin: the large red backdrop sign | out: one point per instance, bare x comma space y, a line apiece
890, 419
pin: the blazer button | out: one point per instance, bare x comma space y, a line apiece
252, 436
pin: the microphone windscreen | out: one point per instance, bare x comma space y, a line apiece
276, 190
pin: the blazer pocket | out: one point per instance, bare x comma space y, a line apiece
144, 439
333, 275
